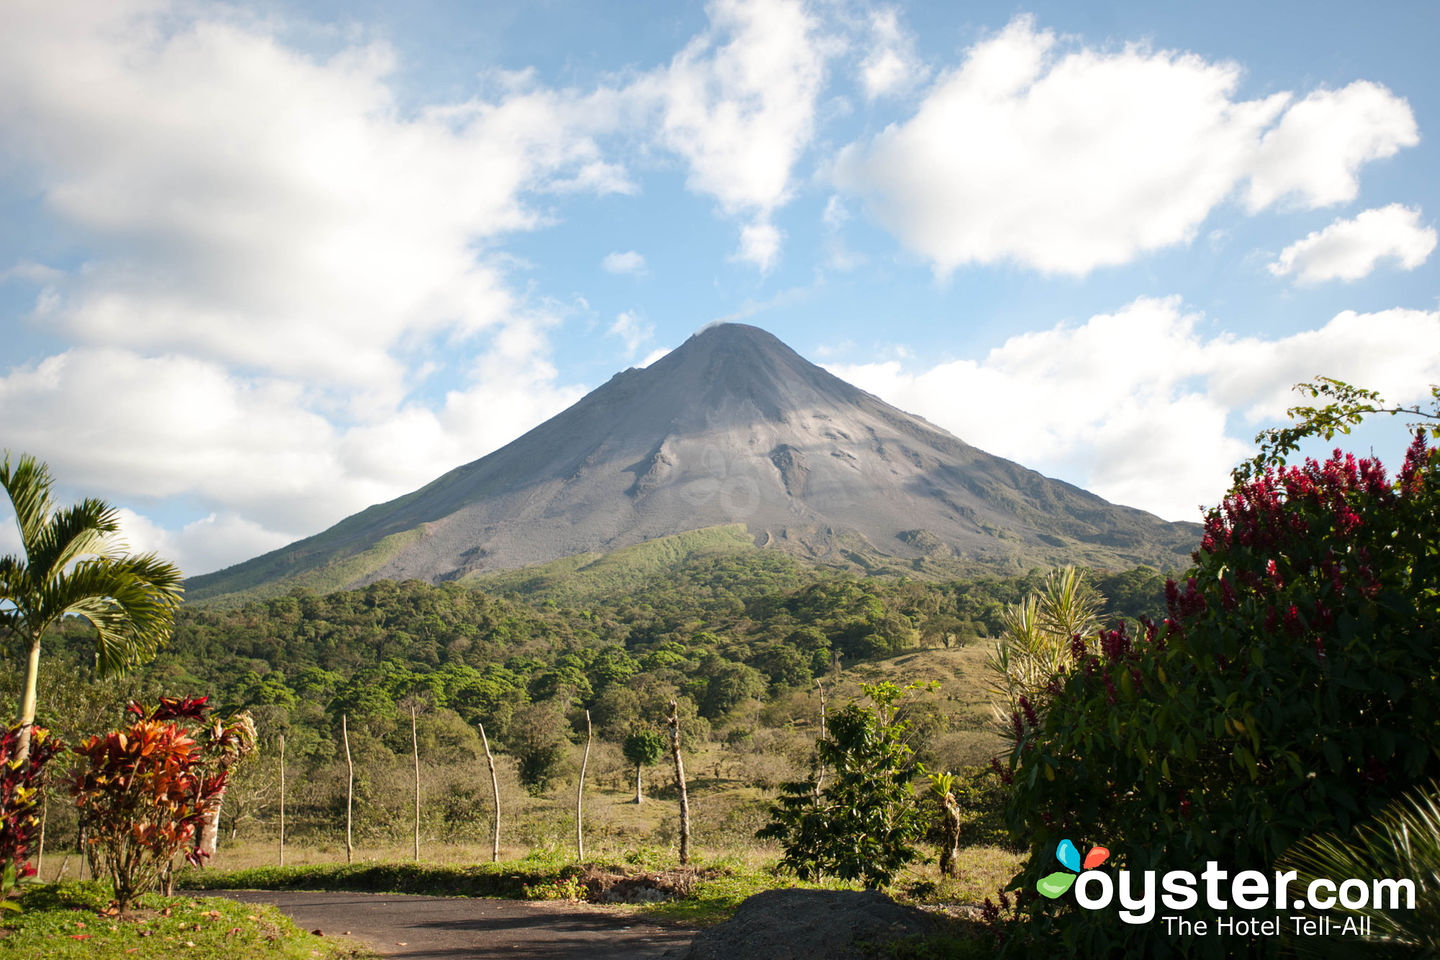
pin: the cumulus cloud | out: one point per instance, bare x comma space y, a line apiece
1135, 405
256, 205
1069, 160
212, 542
738, 104
623, 262
123, 426
1350, 249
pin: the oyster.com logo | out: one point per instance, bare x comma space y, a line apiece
1055, 884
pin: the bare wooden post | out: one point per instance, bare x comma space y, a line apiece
415, 752
820, 769
680, 783
349, 791
282, 799
580, 793
495, 786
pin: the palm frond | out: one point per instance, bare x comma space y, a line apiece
28, 483
131, 602
71, 534
1402, 842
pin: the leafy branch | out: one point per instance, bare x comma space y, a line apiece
1347, 405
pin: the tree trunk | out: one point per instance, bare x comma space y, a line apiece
282, 799
415, 752
27, 701
44, 813
210, 828
580, 793
349, 791
638, 797
495, 786
680, 783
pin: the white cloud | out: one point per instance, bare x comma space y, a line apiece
738, 103
207, 544
891, 66
1069, 161
255, 205
1134, 405
1313, 154
760, 245
629, 328
624, 262
1350, 249
260, 452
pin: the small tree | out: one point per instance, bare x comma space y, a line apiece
145, 790
863, 823
643, 748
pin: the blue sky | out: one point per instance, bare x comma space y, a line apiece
266, 264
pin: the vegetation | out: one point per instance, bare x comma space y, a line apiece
146, 791
1035, 642
73, 567
1403, 841
21, 786
861, 822
643, 748
1290, 690
75, 921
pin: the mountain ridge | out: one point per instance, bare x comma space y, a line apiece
731, 427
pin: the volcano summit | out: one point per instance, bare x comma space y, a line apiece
732, 427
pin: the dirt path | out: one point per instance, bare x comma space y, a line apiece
458, 928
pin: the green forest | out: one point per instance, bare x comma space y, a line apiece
737, 639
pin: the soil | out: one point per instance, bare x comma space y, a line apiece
809, 925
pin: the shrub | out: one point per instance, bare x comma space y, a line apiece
1292, 689
861, 820
21, 783
145, 790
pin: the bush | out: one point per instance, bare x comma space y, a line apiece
21, 784
1291, 690
861, 821
144, 791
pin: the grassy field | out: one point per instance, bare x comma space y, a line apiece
70, 921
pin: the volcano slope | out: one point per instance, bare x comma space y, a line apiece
732, 427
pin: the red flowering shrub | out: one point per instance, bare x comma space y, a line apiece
20, 787
1293, 689
145, 789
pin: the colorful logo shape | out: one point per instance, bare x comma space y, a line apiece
1058, 882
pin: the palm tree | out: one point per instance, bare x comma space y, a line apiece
72, 564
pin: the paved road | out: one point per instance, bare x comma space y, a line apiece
458, 928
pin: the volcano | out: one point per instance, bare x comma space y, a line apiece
732, 427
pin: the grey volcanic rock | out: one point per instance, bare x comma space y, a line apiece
809, 925
731, 427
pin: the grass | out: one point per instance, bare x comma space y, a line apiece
70, 921
723, 880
